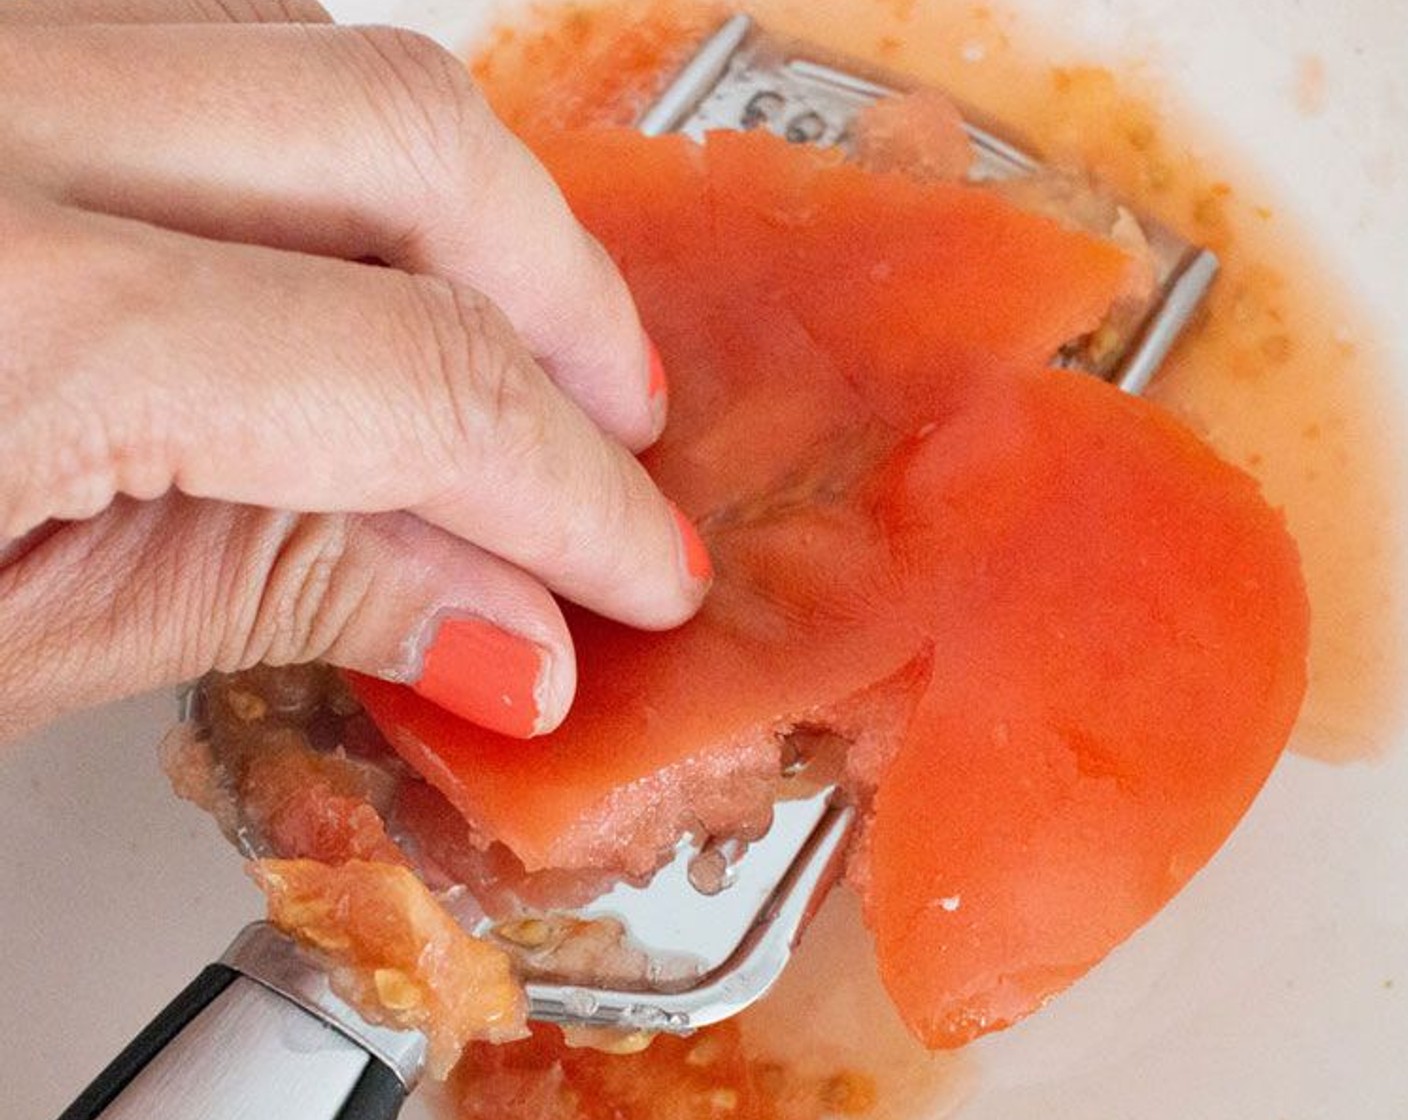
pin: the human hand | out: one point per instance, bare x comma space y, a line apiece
224, 441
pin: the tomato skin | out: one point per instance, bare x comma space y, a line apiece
1111, 621
1127, 664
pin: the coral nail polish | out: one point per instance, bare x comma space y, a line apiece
657, 386
485, 675
693, 554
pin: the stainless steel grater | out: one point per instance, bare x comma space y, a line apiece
262, 1033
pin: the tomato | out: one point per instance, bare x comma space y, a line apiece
1070, 637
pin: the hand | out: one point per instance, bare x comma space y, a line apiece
223, 440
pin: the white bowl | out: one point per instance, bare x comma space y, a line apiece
1275, 986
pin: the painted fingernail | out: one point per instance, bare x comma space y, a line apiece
487, 676
693, 554
657, 386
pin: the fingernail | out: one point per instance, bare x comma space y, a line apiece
656, 386
693, 554
487, 676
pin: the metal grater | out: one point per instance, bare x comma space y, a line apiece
745, 78
711, 952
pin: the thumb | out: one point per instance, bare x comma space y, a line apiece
150, 593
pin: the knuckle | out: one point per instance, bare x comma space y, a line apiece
311, 588
494, 407
429, 103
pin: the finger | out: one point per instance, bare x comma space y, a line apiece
150, 593
138, 359
55, 13
343, 142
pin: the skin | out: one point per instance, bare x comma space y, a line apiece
303, 352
